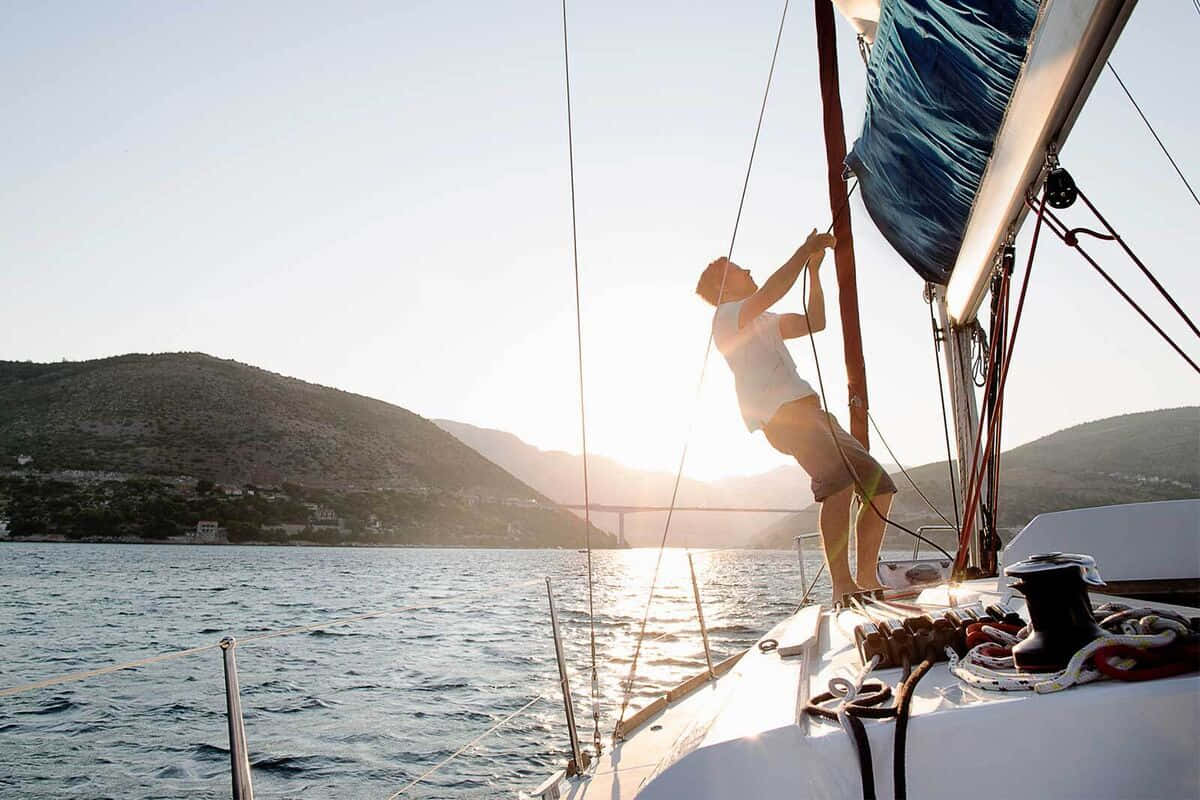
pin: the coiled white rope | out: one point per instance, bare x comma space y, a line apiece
978, 670
847, 689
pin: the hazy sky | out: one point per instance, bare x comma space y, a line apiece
373, 196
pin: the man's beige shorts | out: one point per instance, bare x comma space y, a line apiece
801, 429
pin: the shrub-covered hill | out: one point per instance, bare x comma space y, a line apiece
194, 415
1132, 458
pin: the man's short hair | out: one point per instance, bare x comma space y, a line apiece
709, 285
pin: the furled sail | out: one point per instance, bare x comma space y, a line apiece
964, 100
938, 83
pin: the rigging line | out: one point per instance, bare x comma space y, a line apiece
587, 520
1004, 308
945, 421
828, 419
1145, 270
846, 461
1124, 295
703, 369
974, 466
466, 747
896, 461
1150, 127
1009, 346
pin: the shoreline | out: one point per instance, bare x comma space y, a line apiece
379, 545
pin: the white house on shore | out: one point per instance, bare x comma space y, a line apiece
207, 532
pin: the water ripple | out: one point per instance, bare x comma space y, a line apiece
355, 711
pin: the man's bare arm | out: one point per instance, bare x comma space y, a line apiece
783, 278
793, 326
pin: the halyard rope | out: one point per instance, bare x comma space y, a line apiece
628, 687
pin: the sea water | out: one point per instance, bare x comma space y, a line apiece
353, 711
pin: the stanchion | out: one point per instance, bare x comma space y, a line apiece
700, 615
239, 757
578, 764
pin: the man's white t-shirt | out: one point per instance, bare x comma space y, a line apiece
763, 369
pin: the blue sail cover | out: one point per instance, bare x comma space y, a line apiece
939, 80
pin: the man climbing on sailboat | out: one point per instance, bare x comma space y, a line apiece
775, 399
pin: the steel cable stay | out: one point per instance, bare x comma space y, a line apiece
629, 681
945, 422
904, 471
587, 520
1150, 127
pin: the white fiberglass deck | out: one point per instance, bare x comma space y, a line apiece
745, 735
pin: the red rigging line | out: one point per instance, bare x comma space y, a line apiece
975, 487
1070, 237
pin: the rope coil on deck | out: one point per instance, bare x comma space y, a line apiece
1162, 640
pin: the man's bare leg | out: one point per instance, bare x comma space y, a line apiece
835, 539
869, 529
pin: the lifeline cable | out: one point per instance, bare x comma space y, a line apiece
587, 520
466, 747
703, 369
79, 676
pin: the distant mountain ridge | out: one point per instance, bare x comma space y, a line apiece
1131, 458
559, 475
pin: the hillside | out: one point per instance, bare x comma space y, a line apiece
559, 476
189, 414
192, 414
1151, 455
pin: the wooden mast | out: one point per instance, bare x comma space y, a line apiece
843, 254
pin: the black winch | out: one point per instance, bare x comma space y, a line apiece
1055, 586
